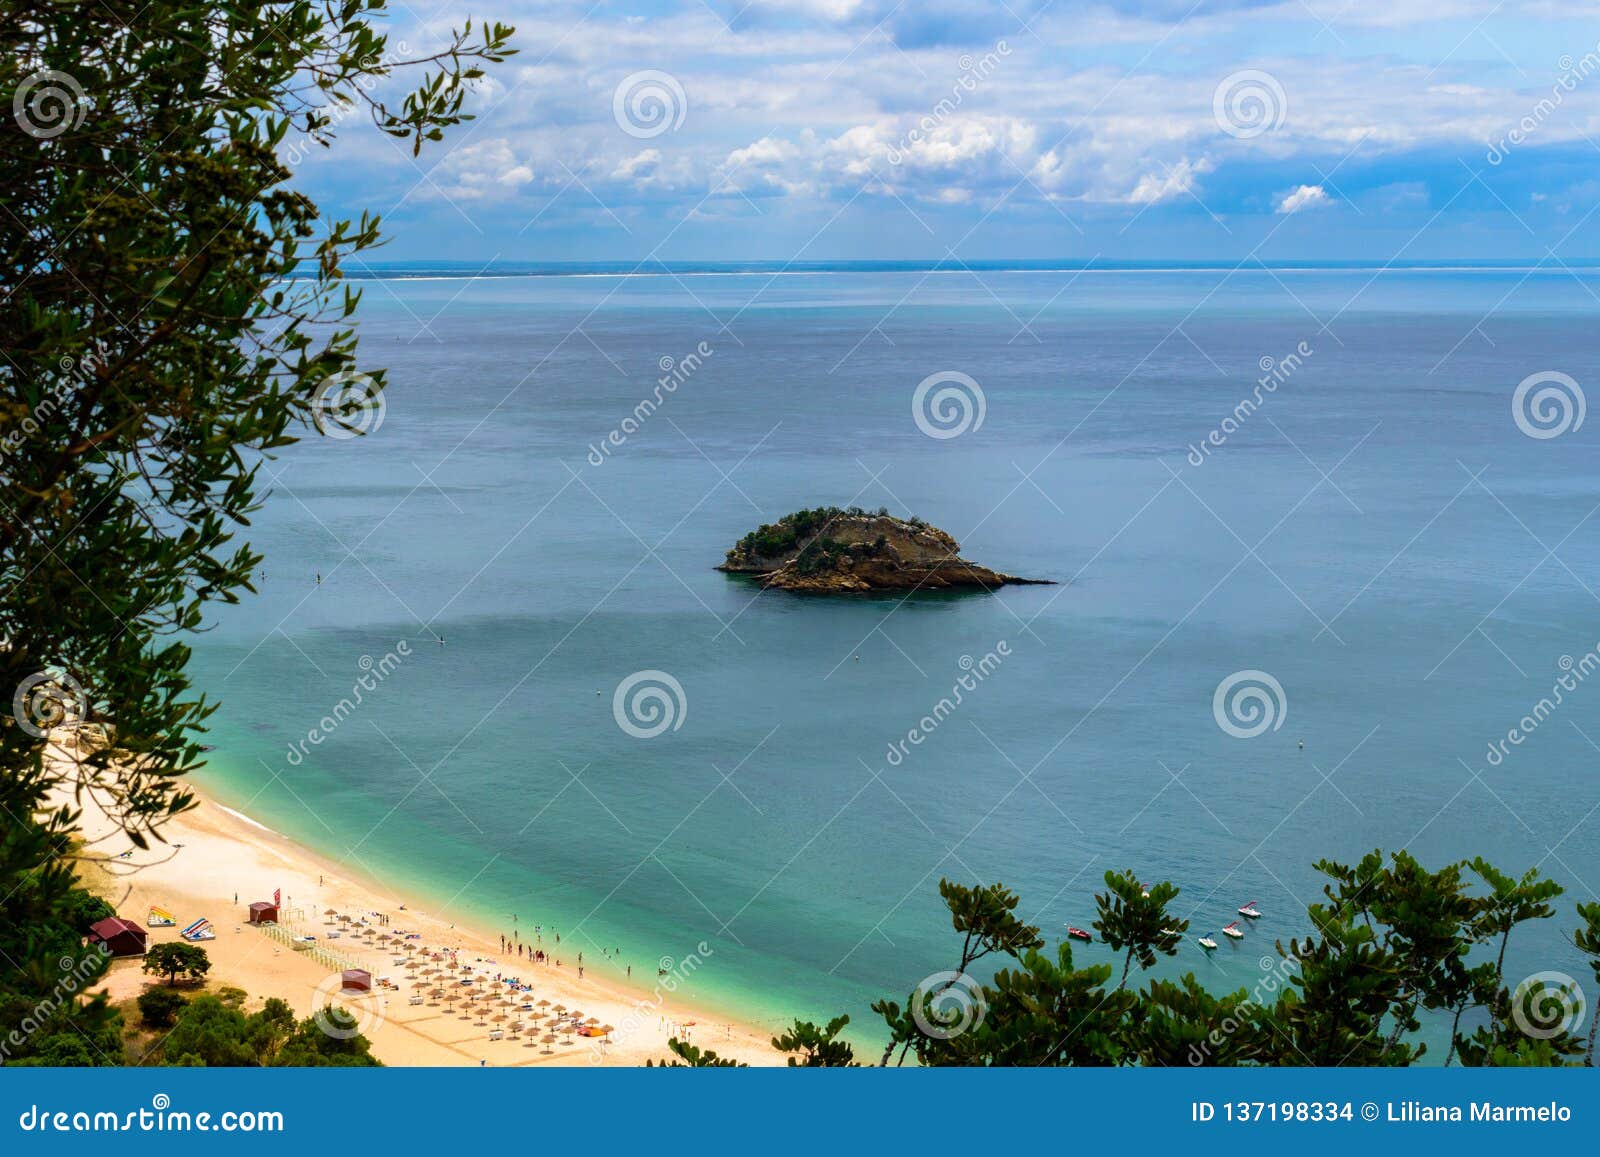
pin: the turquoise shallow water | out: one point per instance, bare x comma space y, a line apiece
1379, 536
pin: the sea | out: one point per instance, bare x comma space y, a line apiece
1325, 548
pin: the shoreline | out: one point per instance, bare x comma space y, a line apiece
214, 852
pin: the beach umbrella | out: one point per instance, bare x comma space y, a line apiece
593, 1020
544, 1004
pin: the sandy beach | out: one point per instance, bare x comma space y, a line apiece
217, 861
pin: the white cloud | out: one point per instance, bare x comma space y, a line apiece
1153, 188
795, 102
1305, 197
484, 169
640, 166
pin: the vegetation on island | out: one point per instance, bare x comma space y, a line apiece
778, 538
832, 550
176, 311
1394, 942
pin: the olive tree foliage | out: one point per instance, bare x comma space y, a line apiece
1393, 943
172, 312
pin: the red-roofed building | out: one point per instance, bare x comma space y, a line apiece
356, 980
263, 912
121, 937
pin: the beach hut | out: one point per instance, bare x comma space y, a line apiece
121, 937
356, 980
263, 912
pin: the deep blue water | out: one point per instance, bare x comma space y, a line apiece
1379, 536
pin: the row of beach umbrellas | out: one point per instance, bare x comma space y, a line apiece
560, 1024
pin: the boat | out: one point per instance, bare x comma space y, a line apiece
1249, 909
1144, 890
1208, 944
200, 930
1232, 930
1078, 933
160, 918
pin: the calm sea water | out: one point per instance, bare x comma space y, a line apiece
1379, 536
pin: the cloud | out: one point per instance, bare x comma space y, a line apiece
1154, 188
482, 170
1305, 197
803, 107
640, 166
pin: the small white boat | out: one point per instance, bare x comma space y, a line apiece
1249, 909
1232, 931
1208, 944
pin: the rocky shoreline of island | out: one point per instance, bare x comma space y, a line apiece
833, 550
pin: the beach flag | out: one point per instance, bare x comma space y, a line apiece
160, 918
277, 897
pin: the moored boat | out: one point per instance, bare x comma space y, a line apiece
1078, 933
1249, 909
1232, 931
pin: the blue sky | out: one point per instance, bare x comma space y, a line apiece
989, 129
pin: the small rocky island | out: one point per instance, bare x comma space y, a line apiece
830, 550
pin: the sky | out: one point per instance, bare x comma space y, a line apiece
816, 130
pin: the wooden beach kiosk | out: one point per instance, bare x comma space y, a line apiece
120, 937
263, 912
356, 980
